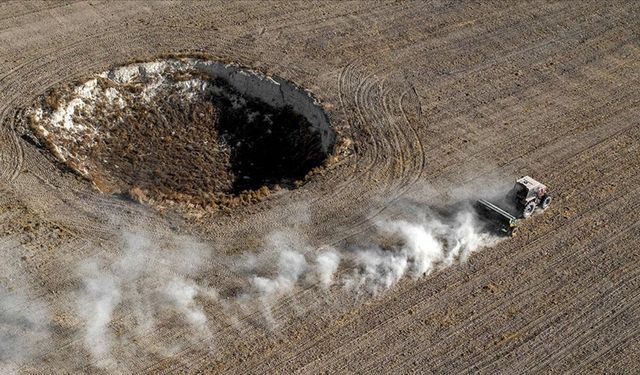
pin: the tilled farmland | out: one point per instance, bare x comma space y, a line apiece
277, 187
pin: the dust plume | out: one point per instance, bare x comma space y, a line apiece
413, 241
24, 328
152, 278
156, 286
414, 248
326, 265
100, 296
25, 320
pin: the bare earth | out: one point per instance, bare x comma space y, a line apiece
433, 96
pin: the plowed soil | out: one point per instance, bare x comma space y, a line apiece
431, 96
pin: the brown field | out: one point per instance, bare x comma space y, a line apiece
431, 96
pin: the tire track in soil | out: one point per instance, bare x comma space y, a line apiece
9, 10
518, 256
363, 103
557, 264
571, 53
486, 313
547, 322
482, 154
11, 160
620, 340
584, 211
596, 324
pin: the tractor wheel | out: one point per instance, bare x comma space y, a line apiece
546, 201
528, 209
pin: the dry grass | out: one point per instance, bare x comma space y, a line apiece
53, 99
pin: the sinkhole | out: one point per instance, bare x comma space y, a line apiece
185, 129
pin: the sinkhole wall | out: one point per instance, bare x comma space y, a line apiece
275, 92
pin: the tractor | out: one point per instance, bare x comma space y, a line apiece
526, 195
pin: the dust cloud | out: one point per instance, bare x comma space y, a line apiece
152, 277
415, 242
25, 319
154, 286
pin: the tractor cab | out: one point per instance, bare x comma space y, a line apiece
526, 189
528, 193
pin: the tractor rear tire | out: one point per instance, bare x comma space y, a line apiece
528, 209
546, 201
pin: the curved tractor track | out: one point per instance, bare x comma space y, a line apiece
427, 98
